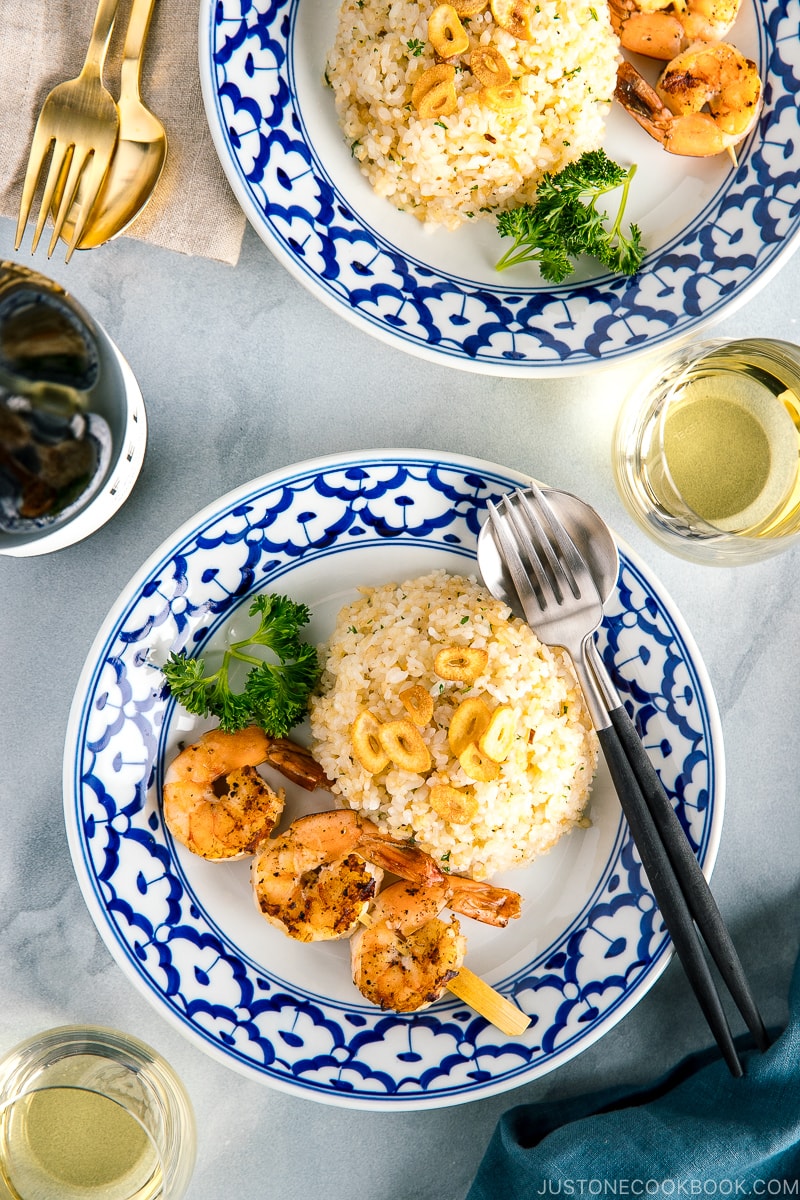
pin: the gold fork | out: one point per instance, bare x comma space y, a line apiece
79, 121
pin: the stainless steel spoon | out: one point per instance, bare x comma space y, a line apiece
141, 148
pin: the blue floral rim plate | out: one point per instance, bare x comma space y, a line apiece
715, 232
590, 942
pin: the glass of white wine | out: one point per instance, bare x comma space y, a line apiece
87, 1113
706, 450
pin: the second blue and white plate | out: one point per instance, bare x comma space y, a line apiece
186, 932
715, 232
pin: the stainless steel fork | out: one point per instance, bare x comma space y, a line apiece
562, 605
556, 590
79, 122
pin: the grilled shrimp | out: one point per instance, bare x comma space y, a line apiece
715, 76
215, 802
664, 28
406, 955
315, 880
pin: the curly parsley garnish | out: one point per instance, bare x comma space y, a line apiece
276, 689
565, 221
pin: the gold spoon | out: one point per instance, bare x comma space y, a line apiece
141, 149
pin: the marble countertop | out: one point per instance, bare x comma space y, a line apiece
242, 372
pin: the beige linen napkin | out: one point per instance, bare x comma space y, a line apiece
43, 42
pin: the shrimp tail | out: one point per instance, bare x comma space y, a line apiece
296, 763
642, 102
483, 901
409, 862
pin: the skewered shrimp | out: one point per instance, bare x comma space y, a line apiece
718, 76
406, 957
407, 954
317, 879
664, 28
215, 802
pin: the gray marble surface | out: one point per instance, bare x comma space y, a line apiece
242, 372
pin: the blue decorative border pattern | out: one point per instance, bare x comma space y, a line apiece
727, 250
160, 931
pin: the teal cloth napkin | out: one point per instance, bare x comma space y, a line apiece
698, 1132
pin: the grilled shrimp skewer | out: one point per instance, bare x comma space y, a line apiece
317, 879
717, 76
407, 955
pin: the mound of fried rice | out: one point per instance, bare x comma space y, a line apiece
386, 641
477, 160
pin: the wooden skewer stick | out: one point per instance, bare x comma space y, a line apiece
507, 1017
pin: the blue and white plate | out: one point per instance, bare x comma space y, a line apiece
715, 233
590, 942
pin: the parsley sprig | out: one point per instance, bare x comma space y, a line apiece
565, 221
276, 689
